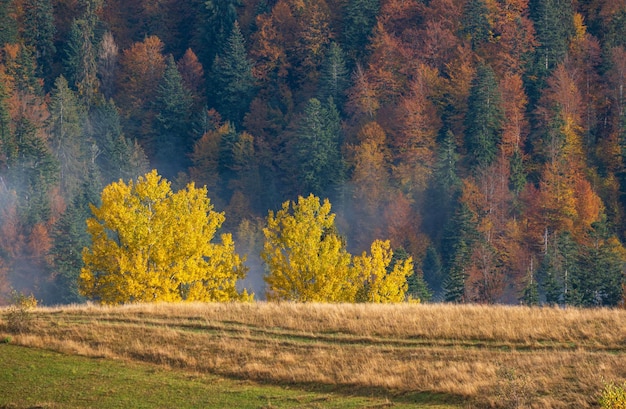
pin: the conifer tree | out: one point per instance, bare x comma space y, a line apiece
81, 69
360, 19
554, 27
215, 24
67, 138
70, 237
8, 23
334, 79
484, 118
233, 83
38, 33
173, 122
317, 153
433, 270
475, 23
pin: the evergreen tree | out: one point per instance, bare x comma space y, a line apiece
334, 79
459, 237
443, 191
433, 270
33, 172
417, 286
215, 24
550, 284
317, 152
530, 293
70, 237
454, 283
119, 157
484, 118
80, 62
232, 79
360, 18
67, 138
38, 33
475, 24
173, 122
8, 24
554, 27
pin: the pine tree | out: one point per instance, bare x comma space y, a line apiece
459, 237
554, 26
417, 287
334, 79
80, 61
433, 270
484, 118
33, 172
319, 166
173, 122
70, 237
67, 139
8, 23
530, 293
38, 33
360, 18
233, 82
475, 23
215, 24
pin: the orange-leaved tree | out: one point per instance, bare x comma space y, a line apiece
150, 244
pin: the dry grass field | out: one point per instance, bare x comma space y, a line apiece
473, 356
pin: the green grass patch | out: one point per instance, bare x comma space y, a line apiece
36, 378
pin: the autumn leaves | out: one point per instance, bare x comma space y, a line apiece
149, 244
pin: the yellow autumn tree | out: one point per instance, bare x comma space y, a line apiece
151, 244
382, 284
307, 259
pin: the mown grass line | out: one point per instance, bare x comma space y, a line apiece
237, 331
38, 378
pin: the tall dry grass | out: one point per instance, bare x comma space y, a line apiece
486, 356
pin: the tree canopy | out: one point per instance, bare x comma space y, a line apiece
150, 244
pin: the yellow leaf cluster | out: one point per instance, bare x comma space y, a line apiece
381, 285
308, 262
150, 244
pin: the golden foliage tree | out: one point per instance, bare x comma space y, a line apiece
150, 244
307, 259
384, 283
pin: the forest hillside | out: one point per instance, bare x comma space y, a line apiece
484, 138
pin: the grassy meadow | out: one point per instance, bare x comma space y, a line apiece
312, 355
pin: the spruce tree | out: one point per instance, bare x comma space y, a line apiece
475, 23
319, 166
67, 139
173, 122
215, 20
70, 237
38, 33
530, 293
80, 61
433, 270
8, 25
484, 118
554, 26
334, 79
233, 82
360, 18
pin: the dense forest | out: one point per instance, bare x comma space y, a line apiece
485, 138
